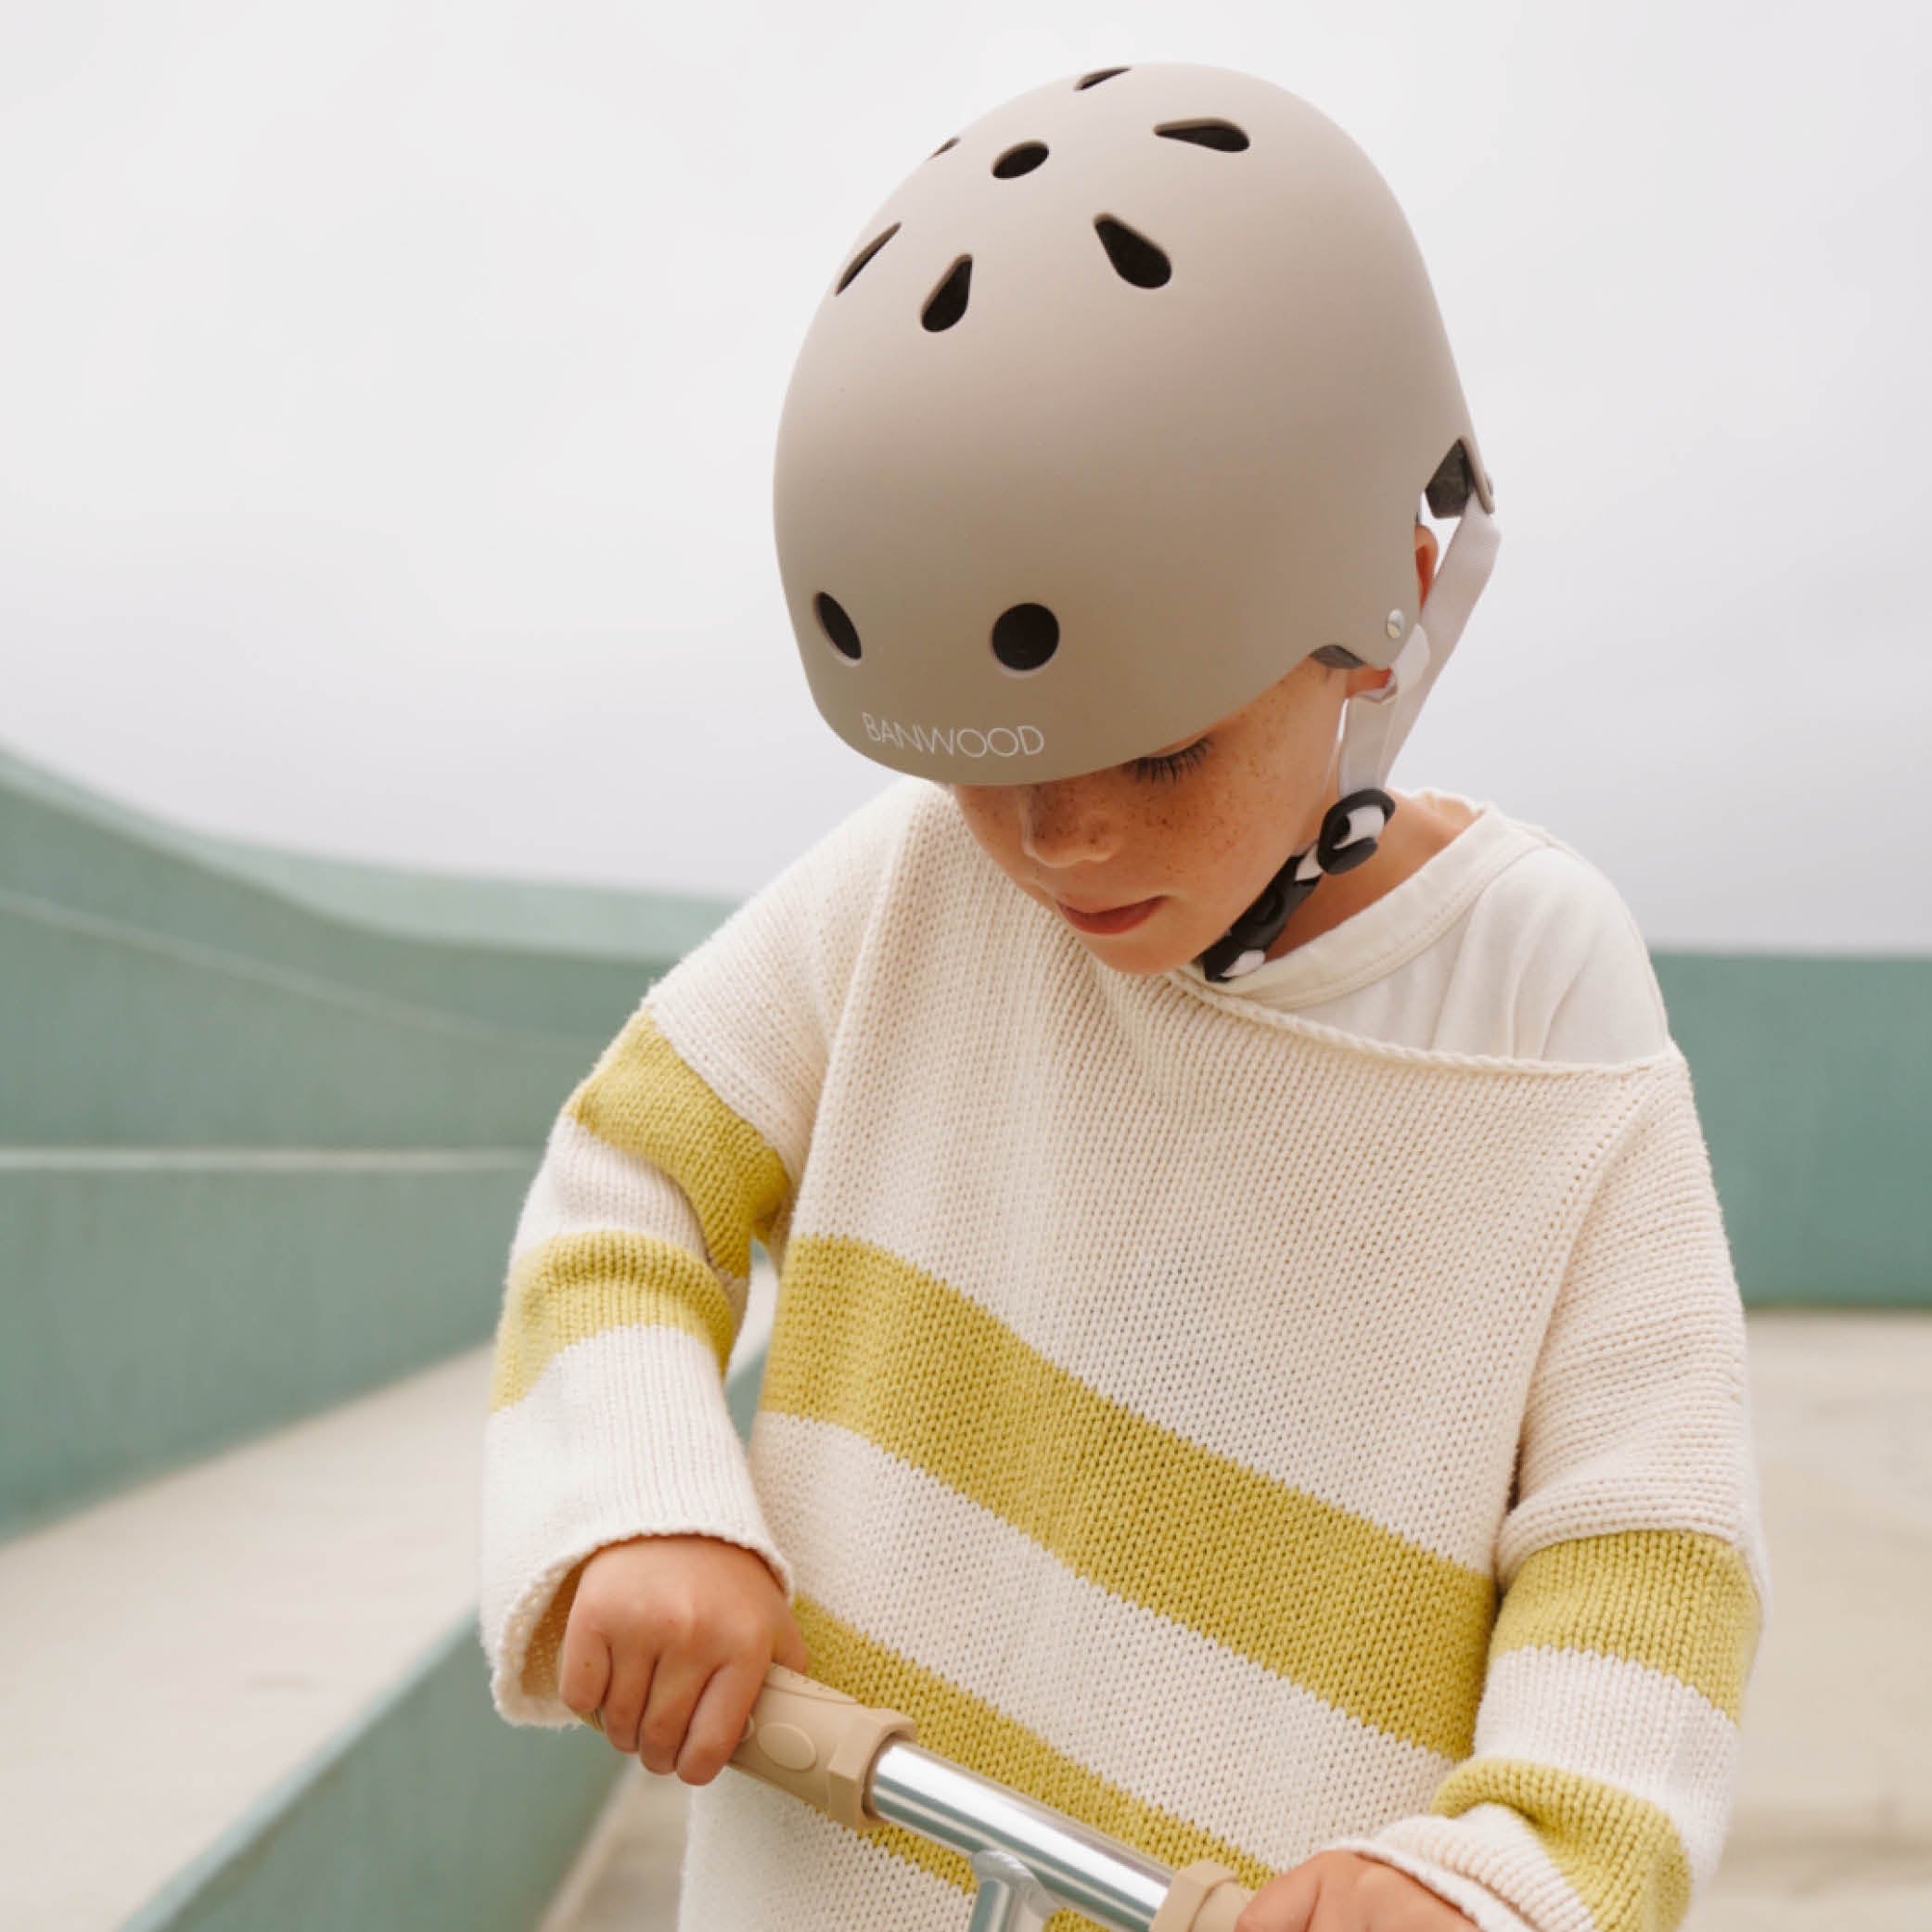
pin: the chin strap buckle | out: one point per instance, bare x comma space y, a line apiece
1351, 828
1350, 831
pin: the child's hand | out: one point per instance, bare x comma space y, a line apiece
667, 1646
1341, 1891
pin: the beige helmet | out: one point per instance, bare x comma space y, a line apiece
1121, 405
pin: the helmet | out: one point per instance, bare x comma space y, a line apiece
1120, 406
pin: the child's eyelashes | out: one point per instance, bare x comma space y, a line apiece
1173, 764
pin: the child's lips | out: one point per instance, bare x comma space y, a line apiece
1112, 919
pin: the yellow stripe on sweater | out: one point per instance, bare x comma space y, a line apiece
1389, 1633
644, 1100
573, 1287
1620, 1854
1678, 1600
973, 1733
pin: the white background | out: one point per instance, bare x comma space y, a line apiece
387, 396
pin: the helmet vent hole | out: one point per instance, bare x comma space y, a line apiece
1222, 135
1098, 75
1454, 482
1135, 258
947, 303
864, 256
1025, 637
1022, 159
836, 625
951, 140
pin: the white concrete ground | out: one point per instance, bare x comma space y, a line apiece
1833, 1826
169, 1655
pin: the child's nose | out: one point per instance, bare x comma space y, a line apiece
1065, 823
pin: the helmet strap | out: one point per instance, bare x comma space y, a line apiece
1374, 726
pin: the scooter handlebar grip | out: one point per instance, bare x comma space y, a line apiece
817, 1744
1203, 1897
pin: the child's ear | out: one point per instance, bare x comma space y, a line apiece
1425, 554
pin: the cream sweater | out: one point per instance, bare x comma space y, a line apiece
1305, 1413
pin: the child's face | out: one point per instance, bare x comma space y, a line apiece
1198, 836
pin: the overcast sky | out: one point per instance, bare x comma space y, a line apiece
388, 393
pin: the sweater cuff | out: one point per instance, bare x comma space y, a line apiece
1471, 1871
626, 1434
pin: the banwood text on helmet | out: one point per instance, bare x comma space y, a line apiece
1121, 405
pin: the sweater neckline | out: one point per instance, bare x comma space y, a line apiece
1410, 917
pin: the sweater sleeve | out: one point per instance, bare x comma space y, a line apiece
1635, 1581
631, 1262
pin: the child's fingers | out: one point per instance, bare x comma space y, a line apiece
631, 1669
583, 1668
1286, 1904
718, 1720
789, 1647
676, 1683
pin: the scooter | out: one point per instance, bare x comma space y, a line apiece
861, 1768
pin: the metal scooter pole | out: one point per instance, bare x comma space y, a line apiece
860, 1767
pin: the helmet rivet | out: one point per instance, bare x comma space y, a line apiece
1396, 623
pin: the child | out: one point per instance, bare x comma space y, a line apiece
1258, 1367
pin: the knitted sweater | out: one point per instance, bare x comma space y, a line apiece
1252, 1435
